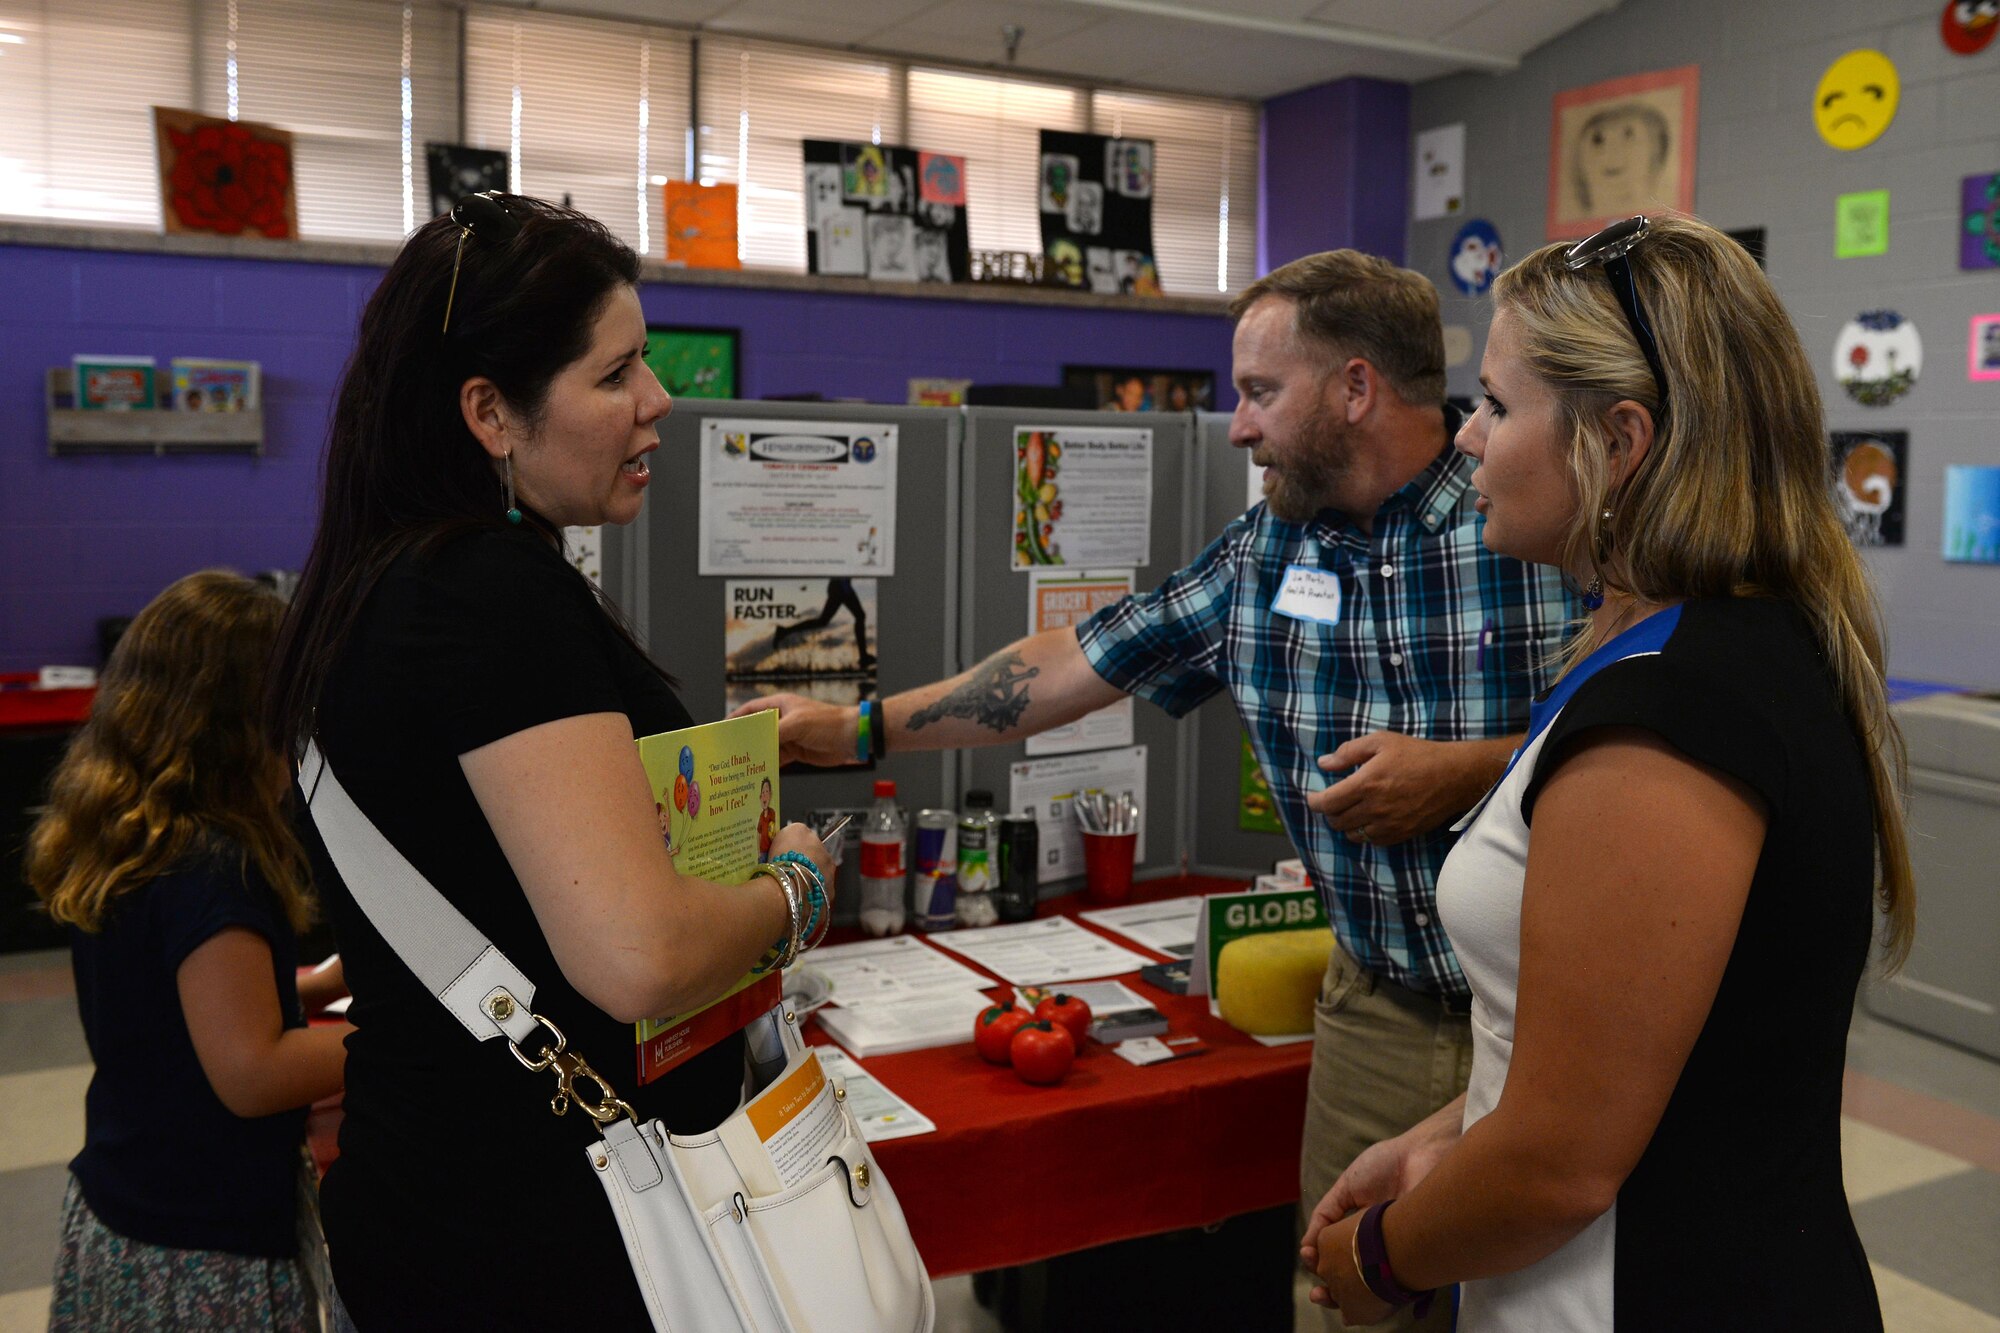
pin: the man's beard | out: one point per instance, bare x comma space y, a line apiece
1311, 471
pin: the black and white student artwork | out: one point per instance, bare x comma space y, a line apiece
884, 212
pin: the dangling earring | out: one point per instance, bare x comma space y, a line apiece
1593, 594
513, 510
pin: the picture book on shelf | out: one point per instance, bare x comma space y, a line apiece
204, 384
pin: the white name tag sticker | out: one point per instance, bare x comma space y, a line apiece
1309, 594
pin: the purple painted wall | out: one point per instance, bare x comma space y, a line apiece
90, 536
1334, 171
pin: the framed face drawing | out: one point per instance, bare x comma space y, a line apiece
1621, 147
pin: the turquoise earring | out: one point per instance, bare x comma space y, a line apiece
513, 510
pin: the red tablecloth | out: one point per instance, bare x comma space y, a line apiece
23, 709
1017, 1173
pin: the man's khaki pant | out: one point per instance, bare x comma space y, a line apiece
1383, 1059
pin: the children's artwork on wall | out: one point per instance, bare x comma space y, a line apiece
456, 170
1129, 389
1856, 99
701, 225
932, 391
1440, 172
1877, 357
1751, 239
1868, 479
883, 212
696, 363
224, 177
1620, 147
1861, 224
1457, 345
1979, 222
1475, 257
1982, 353
1968, 25
1096, 197
1972, 514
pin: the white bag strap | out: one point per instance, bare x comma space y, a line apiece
457, 964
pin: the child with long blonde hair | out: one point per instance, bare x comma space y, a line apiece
167, 850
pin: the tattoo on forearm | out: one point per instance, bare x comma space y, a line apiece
994, 696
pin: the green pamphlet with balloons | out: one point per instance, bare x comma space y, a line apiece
715, 791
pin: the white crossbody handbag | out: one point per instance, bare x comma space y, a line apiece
831, 1253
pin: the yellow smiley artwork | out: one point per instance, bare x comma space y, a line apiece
1856, 99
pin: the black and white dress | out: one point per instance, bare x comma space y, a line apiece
1736, 1215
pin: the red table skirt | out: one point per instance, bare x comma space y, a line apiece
1017, 1173
23, 709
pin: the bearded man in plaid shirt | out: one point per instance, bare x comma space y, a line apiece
1381, 658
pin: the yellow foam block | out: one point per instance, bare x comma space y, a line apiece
1266, 984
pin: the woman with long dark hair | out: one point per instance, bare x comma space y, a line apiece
479, 704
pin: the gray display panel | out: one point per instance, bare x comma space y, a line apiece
994, 599
1222, 845
650, 571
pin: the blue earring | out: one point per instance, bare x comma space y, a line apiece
513, 510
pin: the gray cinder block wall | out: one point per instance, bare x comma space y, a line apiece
1761, 163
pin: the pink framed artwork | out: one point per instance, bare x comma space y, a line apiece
1622, 147
1982, 353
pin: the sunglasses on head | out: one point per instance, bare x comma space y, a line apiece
1610, 247
485, 216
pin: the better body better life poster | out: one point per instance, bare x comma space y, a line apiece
715, 790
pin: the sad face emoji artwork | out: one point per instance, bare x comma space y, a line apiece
1856, 99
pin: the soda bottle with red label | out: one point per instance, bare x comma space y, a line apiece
884, 873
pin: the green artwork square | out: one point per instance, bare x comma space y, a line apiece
1861, 224
694, 363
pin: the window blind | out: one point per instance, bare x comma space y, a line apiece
77, 88
758, 100
995, 123
590, 109
332, 72
1204, 184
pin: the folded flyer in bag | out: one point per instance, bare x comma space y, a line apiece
715, 790
784, 1132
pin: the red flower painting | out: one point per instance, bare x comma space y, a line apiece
229, 178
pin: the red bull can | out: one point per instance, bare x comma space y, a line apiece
934, 887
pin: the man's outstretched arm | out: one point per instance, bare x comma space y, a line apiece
1033, 684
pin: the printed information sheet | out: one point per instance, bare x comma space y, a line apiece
1061, 599
797, 497
889, 969
1046, 789
880, 1112
1083, 496
796, 1120
894, 1024
1167, 926
1041, 953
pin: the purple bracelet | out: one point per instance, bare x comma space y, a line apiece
1373, 1254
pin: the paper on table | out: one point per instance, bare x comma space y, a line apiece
892, 968
890, 1025
1038, 953
880, 1112
1103, 997
1166, 926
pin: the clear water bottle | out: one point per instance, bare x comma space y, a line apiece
884, 877
978, 847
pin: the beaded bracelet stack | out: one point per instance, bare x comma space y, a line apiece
805, 903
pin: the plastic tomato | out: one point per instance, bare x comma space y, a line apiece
1042, 1052
1069, 1011
995, 1029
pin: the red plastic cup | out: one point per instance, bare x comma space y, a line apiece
1107, 866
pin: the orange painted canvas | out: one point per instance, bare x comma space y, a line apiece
701, 225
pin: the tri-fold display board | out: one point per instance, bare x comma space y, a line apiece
985, 499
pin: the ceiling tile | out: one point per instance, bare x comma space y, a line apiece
1516, 27
1430, 20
